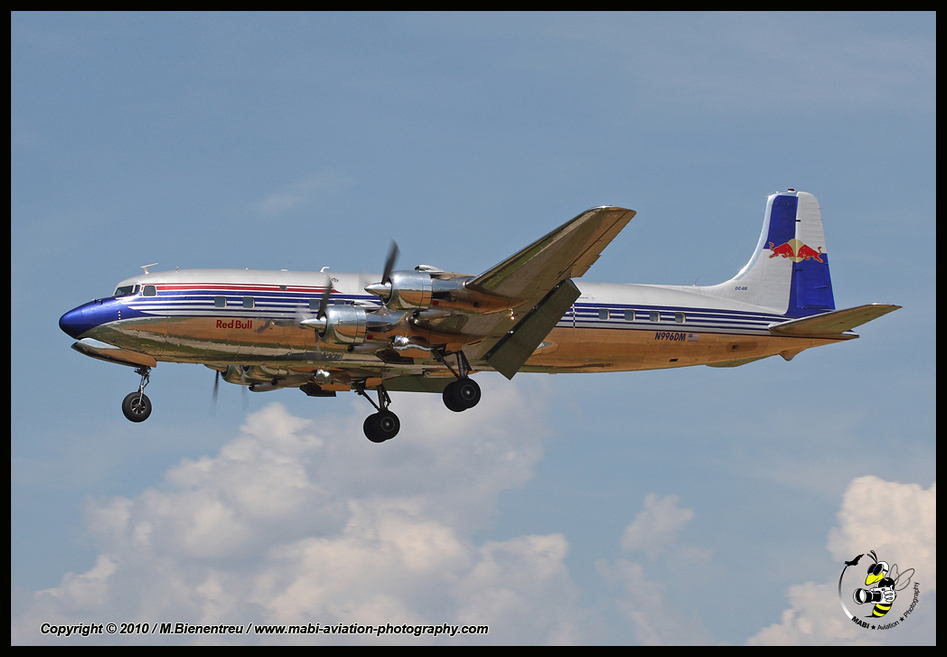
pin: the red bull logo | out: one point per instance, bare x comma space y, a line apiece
796, 251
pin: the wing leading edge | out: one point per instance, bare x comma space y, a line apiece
566, 252
535, 279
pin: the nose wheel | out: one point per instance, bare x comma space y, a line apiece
136, 406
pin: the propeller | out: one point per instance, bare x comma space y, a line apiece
324, 301
383, 289
213, 399
319, 321
213, 405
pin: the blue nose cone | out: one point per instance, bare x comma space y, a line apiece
79, 320
74, 322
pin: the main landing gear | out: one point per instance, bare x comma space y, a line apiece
383, 425
463, 393
458, 396
136, 406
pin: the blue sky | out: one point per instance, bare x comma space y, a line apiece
699, 505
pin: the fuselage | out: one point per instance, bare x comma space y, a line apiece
428, 330
249, 317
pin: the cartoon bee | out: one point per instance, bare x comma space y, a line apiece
888, 581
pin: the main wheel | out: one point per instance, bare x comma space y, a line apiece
381, 426
461, 394
136, 406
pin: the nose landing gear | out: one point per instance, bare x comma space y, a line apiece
136, 406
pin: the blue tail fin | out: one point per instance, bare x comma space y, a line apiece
789, 270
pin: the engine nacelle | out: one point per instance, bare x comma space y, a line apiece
344, 325
410, 290
420, 291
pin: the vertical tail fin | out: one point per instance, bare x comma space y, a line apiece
789, 270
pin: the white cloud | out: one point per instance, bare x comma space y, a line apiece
304, 521
899, 522
296, 521
655, 527
655, 618
300, 192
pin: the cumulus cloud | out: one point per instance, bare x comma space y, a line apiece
655, 528
298, 521
656, 618
897, 521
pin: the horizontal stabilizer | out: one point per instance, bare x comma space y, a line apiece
108, 353
832, 324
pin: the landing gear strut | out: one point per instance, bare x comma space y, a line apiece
136, 406
383, 425
463, 393
458, 396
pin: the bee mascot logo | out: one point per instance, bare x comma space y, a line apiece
876, 594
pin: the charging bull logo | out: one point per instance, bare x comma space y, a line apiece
796, 251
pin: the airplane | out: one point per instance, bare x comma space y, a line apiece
429, 330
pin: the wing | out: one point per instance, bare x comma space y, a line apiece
566, 252
535, 282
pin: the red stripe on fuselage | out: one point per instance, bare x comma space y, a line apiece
172, 287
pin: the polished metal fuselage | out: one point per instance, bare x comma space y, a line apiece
223, 317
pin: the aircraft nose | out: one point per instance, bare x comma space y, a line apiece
87, 316
74, 323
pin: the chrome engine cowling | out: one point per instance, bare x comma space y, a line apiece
344, 325
410, 290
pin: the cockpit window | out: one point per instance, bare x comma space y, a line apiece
125, 290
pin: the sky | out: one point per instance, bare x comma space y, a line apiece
691, 506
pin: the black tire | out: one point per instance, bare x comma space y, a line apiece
136, 406
450, 398
461, 394
381, 426
468, 392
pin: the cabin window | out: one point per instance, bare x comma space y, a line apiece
149, 291
654, 316
220, 302
248, 302
629, 315
603, 313
679, 318
314, 303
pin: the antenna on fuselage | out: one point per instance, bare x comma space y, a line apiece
145, 267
